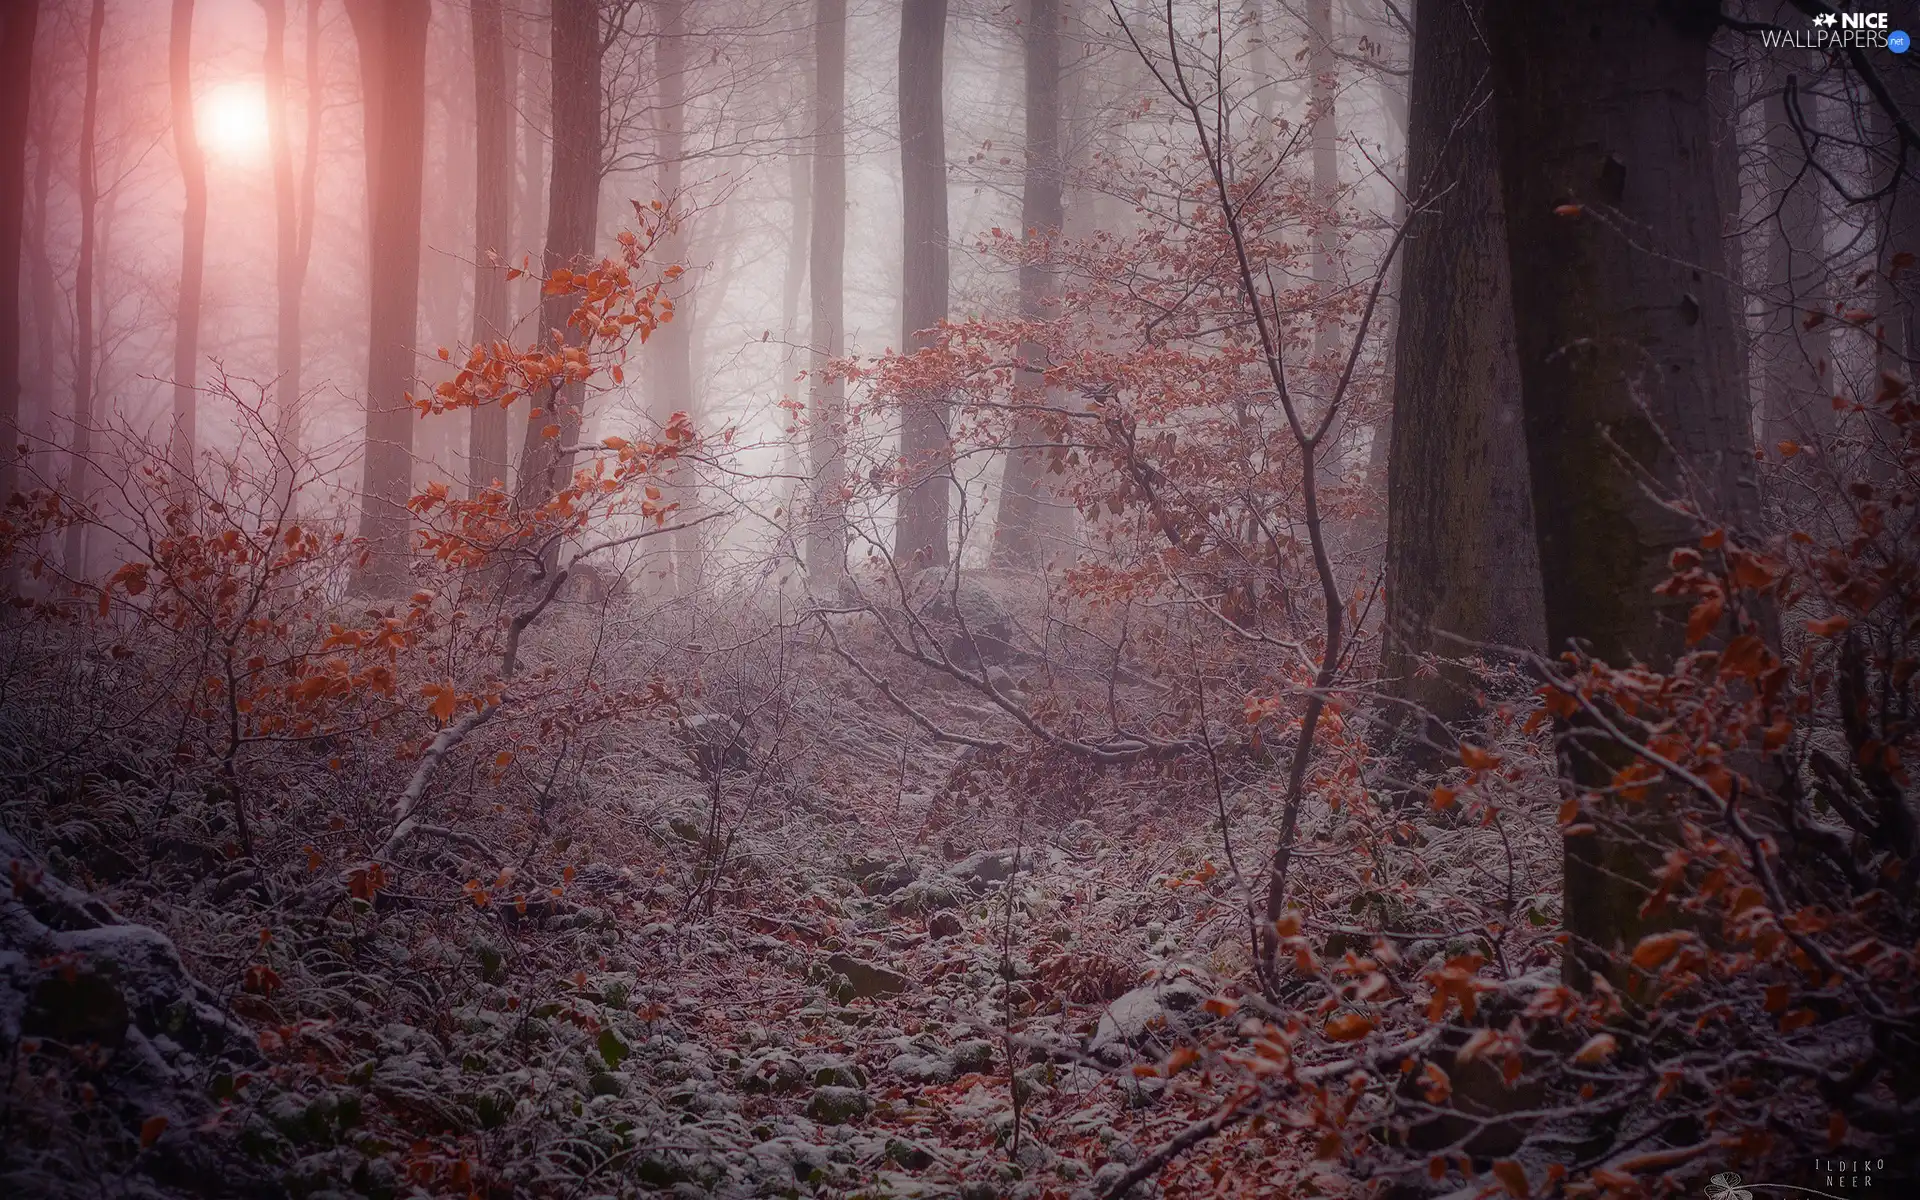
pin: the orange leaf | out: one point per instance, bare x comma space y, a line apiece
1787, 448
1705, 617
1827, 628
1513, 1177
1599, 1048
440, 700
503, 758
1477, 759
549, 431
1348, 1027
1567, 210
1655, 949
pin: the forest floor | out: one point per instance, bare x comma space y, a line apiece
851, 963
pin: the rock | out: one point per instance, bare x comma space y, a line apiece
834, 1070
921, 1068
868, 979
838, 1105
978, 870
774, 1070
908, 1155
1158, 1011
944, 925
878, 878
74, 972
972, 1056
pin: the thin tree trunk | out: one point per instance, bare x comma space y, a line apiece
288, 271
826, 273
1460, 552
921, 533
1627, 355
193, 238
670, 374
799, 207
79, 486
36, 415
393, 51
1018, 523
573, 207
1323, 132
1796, 378
16, 94
492, 222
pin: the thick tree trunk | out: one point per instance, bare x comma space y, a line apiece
392, 35
1042, 210
79, 485
16, 92
289, 271
1627, 350
1796, 379
573, 212
670, 355
1461, 566
492, 225
920, 533
193, 238
826, 273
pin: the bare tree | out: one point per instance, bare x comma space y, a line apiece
573, 207
921, 533
826, 271
1625, 328
79, 487
493, 190
670, 359
393, 54
1460, 555
1016, 530
293, 203
16, 92
193, 235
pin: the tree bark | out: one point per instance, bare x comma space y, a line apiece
289, 270
79, 485
826, 274
573, 211
1042, 211
16, 93
49, 328
1627, 352
1796, 373
1460, 555
492, 225
193, 238
800, 213
920, 533
392, 35
670, 356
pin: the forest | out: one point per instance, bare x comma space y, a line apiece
996, 599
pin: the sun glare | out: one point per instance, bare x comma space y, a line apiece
233, 121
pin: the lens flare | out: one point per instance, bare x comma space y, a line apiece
233, 121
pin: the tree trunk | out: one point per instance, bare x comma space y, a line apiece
1018, 523
826, 273
392, 35
800, 211
193, 238
492, 224
16, 92
920, 533
670, 355
1627, 351
573, 211
289, 271
79, 486
37, 409
1460, 555
1796, 374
